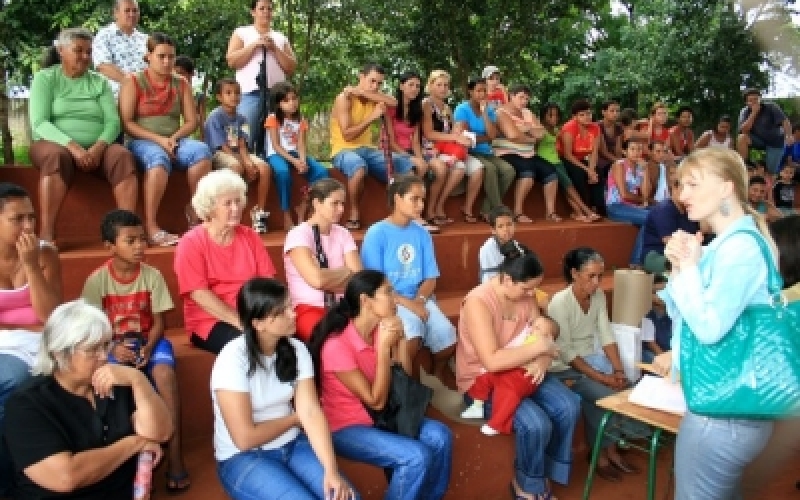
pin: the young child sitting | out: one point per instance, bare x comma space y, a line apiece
134, 296
501, 245
783, 191
286, 149
507, 388
226, 135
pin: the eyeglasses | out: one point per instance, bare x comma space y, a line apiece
100, 350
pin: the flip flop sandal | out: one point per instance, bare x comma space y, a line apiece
163, 239
553, 217
522, 218
178, 483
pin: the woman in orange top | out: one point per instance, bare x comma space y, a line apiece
578, 144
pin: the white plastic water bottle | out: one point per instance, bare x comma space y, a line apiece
143, 480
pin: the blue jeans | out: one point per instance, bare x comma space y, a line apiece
248, 107
188, 153
283, 175
349, 161
773, 155
420, 467
13, 371
711, 455
622, 212
543, 428
291, 471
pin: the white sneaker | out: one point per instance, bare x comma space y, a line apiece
473, 411
259, 218
488, 430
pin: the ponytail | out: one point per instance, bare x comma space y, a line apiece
50, 57
334, 322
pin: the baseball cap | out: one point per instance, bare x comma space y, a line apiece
489, 71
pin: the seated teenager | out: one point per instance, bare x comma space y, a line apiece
271, 438
75, 125
319, 256
628, 194
719, 137
547, 151
134, 296
403, 250
405, 138
159, 116
447, 139
660, 170
610, 142
477, 116
30, 288
763, 126
681, 137
76, 429
353, 149
353, 349
579, 145
214, 259
663, 219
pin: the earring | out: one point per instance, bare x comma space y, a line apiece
725, 208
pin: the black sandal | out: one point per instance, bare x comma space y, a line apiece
469, 218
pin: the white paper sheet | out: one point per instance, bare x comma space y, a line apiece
660, 394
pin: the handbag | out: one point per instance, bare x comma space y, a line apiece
405, 406
753, 372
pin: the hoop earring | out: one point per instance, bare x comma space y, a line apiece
725, 208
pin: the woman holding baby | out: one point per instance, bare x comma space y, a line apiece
491, 316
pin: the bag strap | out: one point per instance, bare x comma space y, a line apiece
774, 280
386, 146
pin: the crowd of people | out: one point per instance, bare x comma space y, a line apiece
286, 406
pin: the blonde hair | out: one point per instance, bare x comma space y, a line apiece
214, 184
435, 75
728, 166
656, 106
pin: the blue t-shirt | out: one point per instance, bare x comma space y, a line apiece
663, 220
404, 254
219, 124
792, 153
465, 113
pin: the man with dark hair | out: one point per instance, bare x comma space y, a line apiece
352, 146
763, 125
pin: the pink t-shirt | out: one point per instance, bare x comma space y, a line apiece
343, 353
336, 244
201, 263
403, 132
16, 307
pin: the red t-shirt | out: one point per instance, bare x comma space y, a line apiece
582, 142
403, 132
496, 96
343, 353
201, 263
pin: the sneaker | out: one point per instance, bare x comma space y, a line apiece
488, 430
474, 411
260, 218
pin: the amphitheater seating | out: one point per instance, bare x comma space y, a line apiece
482, 466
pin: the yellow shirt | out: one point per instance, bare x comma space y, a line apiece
359, 111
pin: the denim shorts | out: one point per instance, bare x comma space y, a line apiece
437, 333
349, 161
162, 354
149, 155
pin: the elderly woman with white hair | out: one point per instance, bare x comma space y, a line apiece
76, 428
214, 259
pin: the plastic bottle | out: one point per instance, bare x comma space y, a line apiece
143, 480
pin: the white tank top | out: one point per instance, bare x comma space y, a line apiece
246, 75
714, 143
